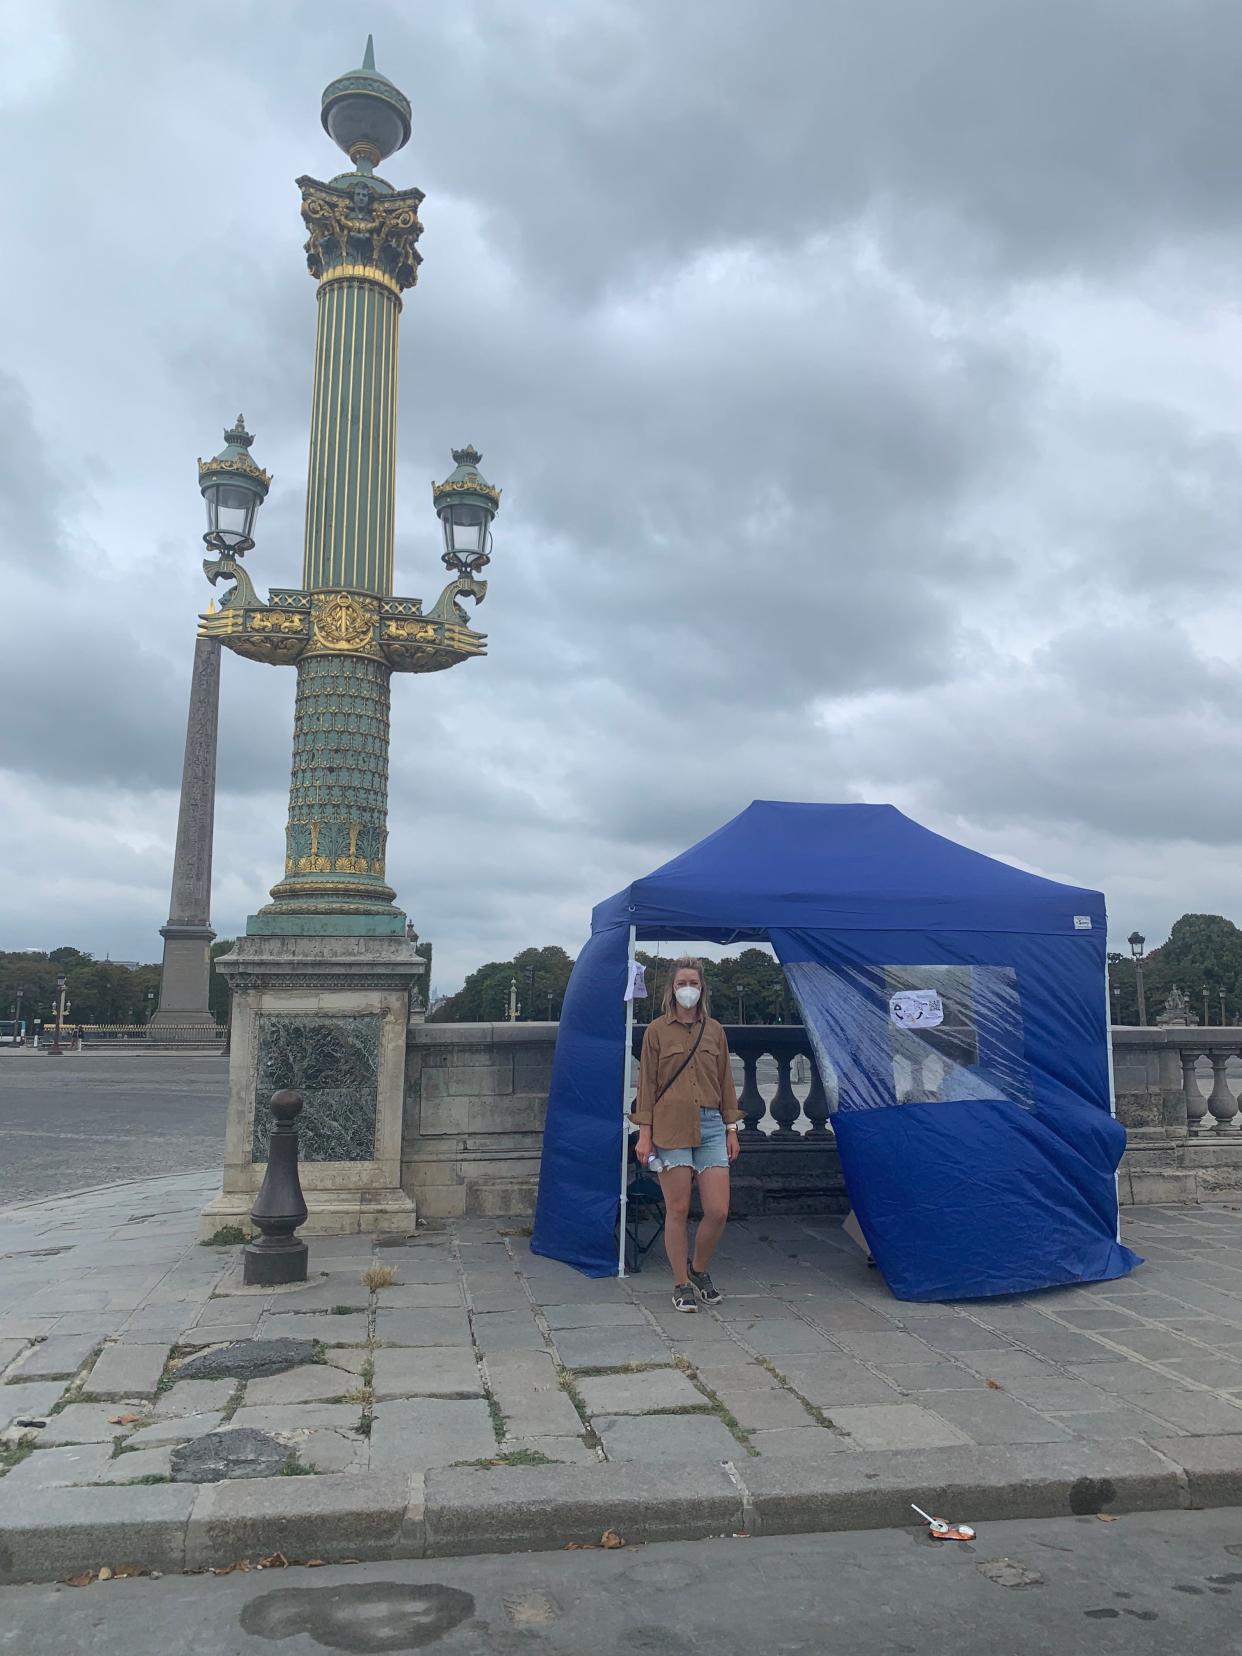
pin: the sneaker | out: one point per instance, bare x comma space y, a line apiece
683, 1297
704, 1287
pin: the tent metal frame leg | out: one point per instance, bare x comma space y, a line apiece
626, 1062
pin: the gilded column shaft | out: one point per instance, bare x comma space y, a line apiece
338, 792
351, 483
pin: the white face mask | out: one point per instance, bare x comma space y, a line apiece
687, 995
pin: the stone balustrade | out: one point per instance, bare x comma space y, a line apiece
476, 1097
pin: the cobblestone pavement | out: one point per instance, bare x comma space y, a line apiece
478, 1351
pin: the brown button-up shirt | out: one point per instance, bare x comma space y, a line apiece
706, 1083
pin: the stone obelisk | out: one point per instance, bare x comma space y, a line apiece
185, 982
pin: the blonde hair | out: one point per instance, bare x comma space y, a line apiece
687, 963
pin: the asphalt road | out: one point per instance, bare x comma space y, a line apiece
88, 1119
1144, 1585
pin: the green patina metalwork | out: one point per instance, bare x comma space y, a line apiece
344, 628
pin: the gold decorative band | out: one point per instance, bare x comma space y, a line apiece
361, 273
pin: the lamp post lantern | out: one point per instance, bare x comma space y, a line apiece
332, 929
1136, 941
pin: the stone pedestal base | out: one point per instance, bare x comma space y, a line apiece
327, 1015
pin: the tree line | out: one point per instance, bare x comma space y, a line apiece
745, 988
1202, 956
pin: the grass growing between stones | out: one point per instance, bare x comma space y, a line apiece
513, 1457
627, 1368
589, 1435
146, 1478
234, 1403
376, 1277
499, 1423
12, 1454
813, 1409
294, 1468
712, 1405
228, 1236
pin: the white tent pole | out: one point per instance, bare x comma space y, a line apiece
1112, 1087
625, 1101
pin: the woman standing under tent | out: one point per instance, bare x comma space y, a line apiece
687, 1115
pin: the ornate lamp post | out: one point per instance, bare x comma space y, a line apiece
333, 930
1136, 941
58, 1005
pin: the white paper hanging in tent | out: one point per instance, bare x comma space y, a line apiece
916, 1009
636, 988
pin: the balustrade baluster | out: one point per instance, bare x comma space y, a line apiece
1196, 1103
785, 1106
816, 1105
1221, 1102
750, 1100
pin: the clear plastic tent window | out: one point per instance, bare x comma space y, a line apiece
915, 1034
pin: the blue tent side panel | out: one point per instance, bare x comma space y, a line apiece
580, 1171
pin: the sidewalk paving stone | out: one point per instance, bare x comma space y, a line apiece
142, 1463
334, 1451
897, 1426
609, 1347
284, 1422
765, 1410
126, 1371
666, 1438
507, 1331
837, 1383
189, 1397
432, 1326
528, 1391
313, 1325
52, 1468
416, 1433
31, 1401
60, 1529
312, 1383
178, 1430
409, 1296
9, 1349
1199, 1413
594, 1314
994, 1417
928, 1377
804, 1441
569, 1449
624, 1394
83, 1423
426, 1371
323, 1296
58, 1358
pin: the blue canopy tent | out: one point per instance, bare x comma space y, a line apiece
961, 1004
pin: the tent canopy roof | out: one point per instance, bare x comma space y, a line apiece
835, 868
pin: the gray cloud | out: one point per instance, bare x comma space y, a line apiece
857, 378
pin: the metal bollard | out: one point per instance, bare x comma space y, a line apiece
279, 1256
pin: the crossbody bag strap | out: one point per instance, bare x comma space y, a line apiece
677, 1073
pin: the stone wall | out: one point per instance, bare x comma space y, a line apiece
475, 1100
476, 1097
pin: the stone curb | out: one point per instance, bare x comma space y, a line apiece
456, 1511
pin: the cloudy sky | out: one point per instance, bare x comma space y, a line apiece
863, 378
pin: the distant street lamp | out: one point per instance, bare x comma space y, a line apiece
1116, 1003
55, 1050
1222, 1008
1136, 941
17, 1015
1206, 1019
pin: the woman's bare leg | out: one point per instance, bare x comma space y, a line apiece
676, 1183
714, 1196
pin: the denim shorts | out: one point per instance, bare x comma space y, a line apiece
711, 1150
